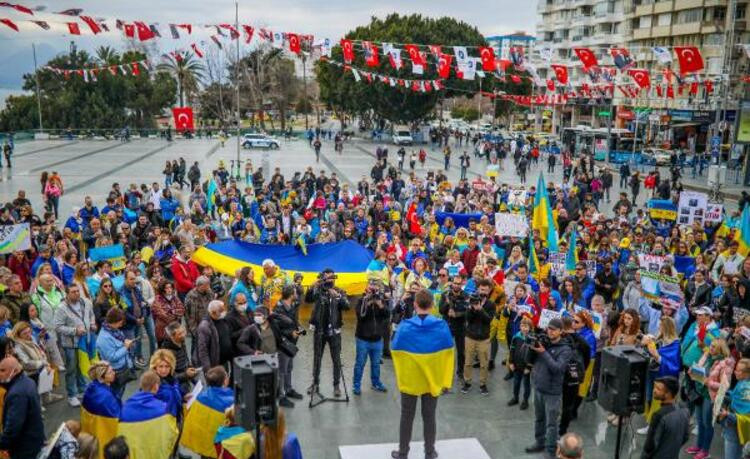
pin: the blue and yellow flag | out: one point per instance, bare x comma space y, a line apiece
543, 219
423, 356
100, 413
211, 194
115, 254
662, 209
148, 428
204, 418
743, 233
234, 442
347, 258
86, 353
533, 259
572, 258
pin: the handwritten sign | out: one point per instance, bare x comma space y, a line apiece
522, 309
714, 212
15, 237
546, 316
514, 225
557, 262
651, 263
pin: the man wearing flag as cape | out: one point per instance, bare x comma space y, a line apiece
423, 359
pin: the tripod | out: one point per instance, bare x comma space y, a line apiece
315, 390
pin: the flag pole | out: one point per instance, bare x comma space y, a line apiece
38, 90
237, 95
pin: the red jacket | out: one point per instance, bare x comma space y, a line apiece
185, 273
469, 258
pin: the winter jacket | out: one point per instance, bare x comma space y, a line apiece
371, 318
165, 312
196, 307
22, 429
68, 319
549, 368
110, 344
206, 351
518, 351
184, 273
478, 321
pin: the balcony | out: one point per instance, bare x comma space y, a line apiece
687, 4
686, 29
643, 10
708, 3
582, 20
641, 34
661, 31
663, 7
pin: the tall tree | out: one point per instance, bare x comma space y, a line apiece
188, 72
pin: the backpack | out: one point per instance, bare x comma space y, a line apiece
574, 370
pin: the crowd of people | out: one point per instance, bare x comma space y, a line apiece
158, 318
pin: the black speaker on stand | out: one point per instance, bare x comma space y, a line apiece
622, 383
256, 386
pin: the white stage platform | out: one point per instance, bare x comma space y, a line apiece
459, 448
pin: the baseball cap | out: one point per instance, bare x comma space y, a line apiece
556, 324
703, 310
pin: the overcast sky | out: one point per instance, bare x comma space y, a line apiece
329, 18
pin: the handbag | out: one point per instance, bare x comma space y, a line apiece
286, 346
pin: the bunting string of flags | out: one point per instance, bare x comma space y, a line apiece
90, 74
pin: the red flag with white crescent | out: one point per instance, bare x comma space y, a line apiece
371, 53
690, 59
587, 57
561, 73
183, 119
641, 77
294, 45
487, 54
348, 49
444, 65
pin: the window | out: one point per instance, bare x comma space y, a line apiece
688, 16
645, 22
665, 19
740, 13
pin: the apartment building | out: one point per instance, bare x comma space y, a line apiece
503, 43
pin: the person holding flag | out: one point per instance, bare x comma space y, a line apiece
543, 219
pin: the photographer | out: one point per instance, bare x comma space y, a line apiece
288, 307
549, 368
453, 305
372, 316
478, 318
326, 322
405, 307
576, 368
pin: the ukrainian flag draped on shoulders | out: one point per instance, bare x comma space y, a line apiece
204, 418
423, 356
234, 442
147, 426
542, 218
100, 413
743, 233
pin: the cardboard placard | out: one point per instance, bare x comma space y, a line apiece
507, 224
546, 316
714, 212
691, 207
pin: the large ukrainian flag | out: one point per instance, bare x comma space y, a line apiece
542, 219
423, 356
100, 413
743, 232
148, 428
204, 418
347, 258
572, 258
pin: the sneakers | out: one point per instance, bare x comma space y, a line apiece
380, 388
51, 397
395, 454
357, 391
642, 430
534, 449
693, 450
702, 455
294, 394
524, 405
465, 388
483, 390
513, 402
286, 403
74, 402
336, 391
508, 376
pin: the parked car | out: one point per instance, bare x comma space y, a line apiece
259, 141
656, 157
402, 138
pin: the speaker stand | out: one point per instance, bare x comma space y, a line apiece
619, 436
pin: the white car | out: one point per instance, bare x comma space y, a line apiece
657, 156
402, 138
259, 141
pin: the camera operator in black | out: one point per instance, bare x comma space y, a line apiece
547, 376
326, 323
453, 305
573, 374
372, 316
288, 306
479, 315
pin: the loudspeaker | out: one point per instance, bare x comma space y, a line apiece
255, 390
622, 381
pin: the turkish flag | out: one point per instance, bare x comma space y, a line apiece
294, 45
670, 92
348, 50
515, 79
9, 23
488, 58
414, 54
73, 28
709, 86
641, 77
144, 31
689, 58
694, 89
587, 57
550, 85
561, 73
129, 30
371, 53
92, 24
436, 50
197, 50
444, 65
136, 68
183, 119
249, 30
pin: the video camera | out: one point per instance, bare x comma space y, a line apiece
535, 339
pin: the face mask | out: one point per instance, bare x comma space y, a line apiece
259, 320
222, 315
241, 307
169, 297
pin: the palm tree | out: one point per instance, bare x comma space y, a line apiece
187, 70
107, 55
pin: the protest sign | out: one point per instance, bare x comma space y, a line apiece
14, 237
509, 286
514, 225
557, 263
493, 170
524, 309
546, 316
652, 263
720, 396
658, 287
590, 268
517, 198
714, 212
691, 207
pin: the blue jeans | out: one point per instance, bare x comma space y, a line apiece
703, 414
547, 409
373, 349
75, 383
732, 447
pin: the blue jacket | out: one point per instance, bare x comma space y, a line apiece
67, 274
587, 334
168, 208
23, 428
87, 215
112, 349
73, 224
38, 262
690, 349
169, 393
127, 295
653, 316
587, 292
